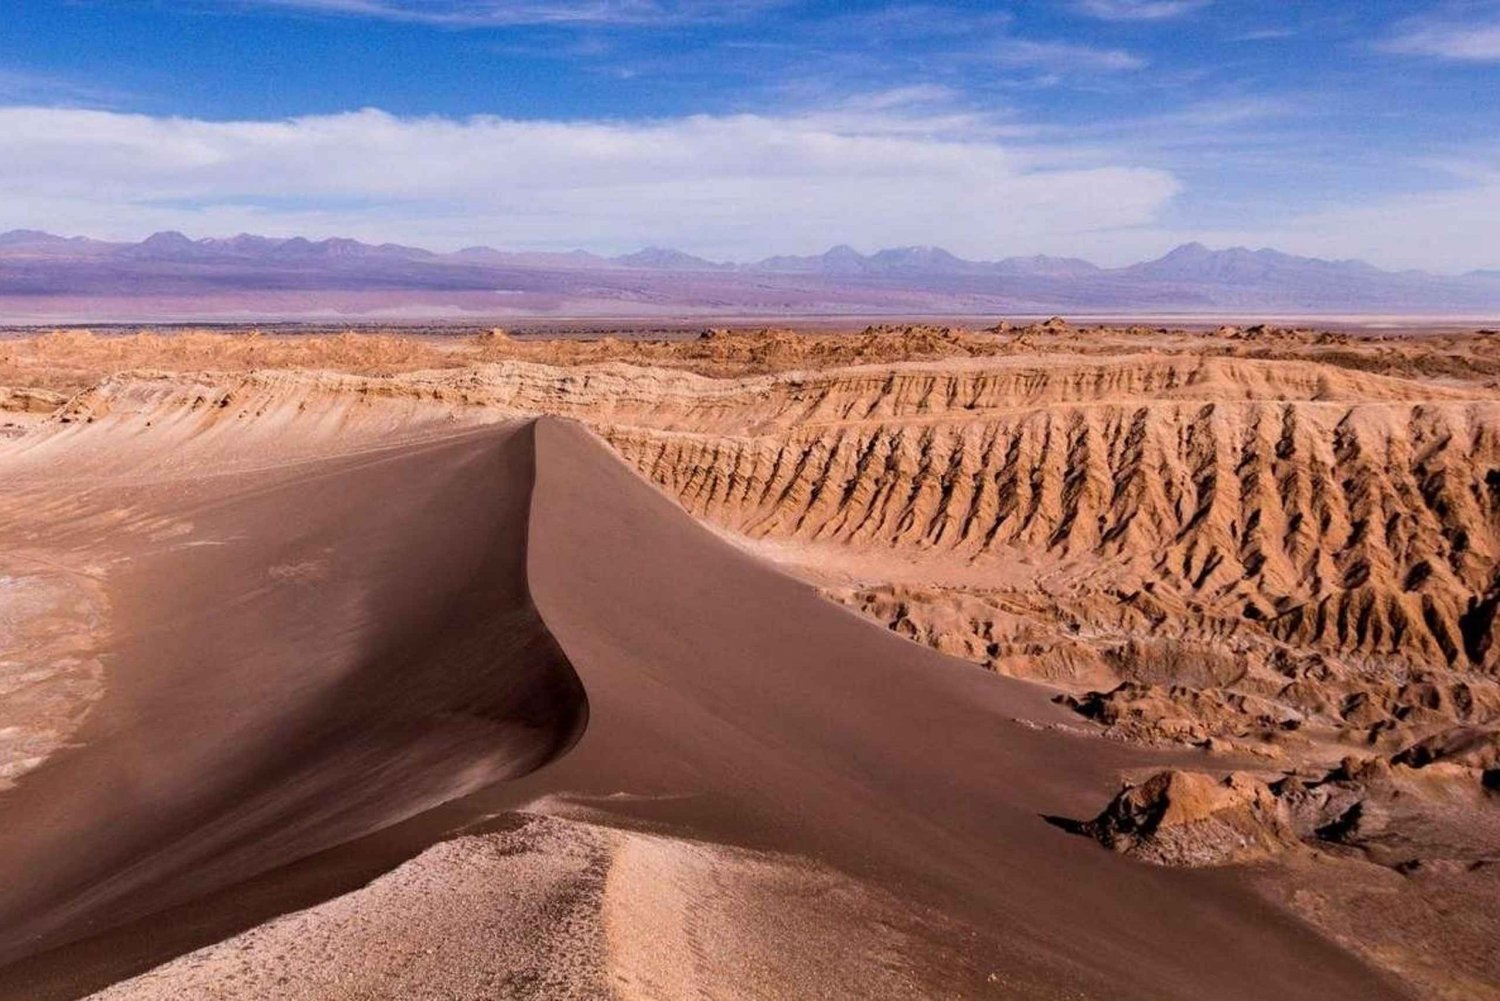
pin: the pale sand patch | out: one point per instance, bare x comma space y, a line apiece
51, 619
507, 915
691, 920
560, 909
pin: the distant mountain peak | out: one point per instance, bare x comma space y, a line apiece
166, 238
666, 259
914, 253
26, 236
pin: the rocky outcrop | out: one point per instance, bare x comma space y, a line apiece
1433, 803
1192, 819
1463, 746
1164, 714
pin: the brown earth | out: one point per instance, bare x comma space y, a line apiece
1259, 549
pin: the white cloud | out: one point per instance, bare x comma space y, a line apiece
733, 186
1138, 10
1448, 40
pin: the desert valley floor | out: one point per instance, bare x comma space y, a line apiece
1031, 662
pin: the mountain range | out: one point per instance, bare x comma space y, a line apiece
170, 276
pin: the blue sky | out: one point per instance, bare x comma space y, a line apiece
1110, 129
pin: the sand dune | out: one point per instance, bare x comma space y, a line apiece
353, 618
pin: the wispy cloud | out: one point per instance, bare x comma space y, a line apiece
498, 13
1264, 35
903, 21
1217, 121
1138, 10
19, 86
732, 186
929, 111
1205, 137
1461, 40
1062, 57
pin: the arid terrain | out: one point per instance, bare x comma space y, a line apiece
1034, 661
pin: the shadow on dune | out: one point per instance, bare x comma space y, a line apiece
350, 645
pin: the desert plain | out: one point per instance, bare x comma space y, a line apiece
1008, 660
